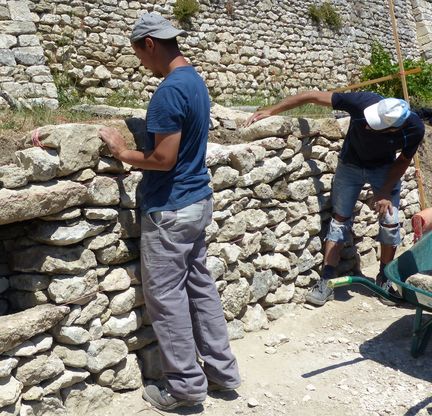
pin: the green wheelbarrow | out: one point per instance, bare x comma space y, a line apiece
417, 259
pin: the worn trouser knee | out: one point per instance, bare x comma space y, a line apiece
339, 231
389, 234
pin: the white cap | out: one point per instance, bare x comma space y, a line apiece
389, 112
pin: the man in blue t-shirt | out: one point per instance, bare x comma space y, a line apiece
180, 295
379, 128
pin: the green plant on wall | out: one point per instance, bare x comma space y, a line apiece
184, 9
419, 85
325, 13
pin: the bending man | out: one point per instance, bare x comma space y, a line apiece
379, 128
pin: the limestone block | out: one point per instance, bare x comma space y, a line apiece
10, 389
106, 214
45, 406
53, 260
7, 364
59, 234
124, 302
421, 280
275, 261
224, 177
71, 356
140, 338
39, 200
17, 27
235, 329
121, 252
275, 126
271, 169
124, 324
129, 190
7, 41
250, 244
242, 160
85, 399
130, 223
7, 58
105, 353
101, 241
39, 343
12, 176
19, 327
126, 375
76, 289
42, 367
116, 279
255, 319
235, 298
77, 145
232, 228
71, 335
66, 379
29, 55
103, 191
67, 214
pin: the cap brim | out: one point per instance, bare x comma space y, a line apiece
168, 33
372, 118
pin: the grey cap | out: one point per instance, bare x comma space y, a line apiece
156, 26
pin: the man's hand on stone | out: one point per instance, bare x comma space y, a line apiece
258, 115
114, 141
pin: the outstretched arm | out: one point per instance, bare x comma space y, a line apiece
310, 97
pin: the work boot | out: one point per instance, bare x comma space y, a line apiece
162, 400
320, 293
387, 285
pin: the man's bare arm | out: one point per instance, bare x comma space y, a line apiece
323, 98
163, 157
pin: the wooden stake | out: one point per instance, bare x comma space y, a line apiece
376, 80
406, 97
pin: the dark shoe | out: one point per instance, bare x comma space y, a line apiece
387, 285
218, 387
163, 400
320, 293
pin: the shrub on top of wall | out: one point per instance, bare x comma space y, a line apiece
382, 64
325, 13
184, 9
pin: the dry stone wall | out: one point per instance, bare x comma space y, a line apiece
74, 326
243, 49
24, 74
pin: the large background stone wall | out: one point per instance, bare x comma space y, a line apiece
243, 49
69, 252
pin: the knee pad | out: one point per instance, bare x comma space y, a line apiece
389, 235
339, 231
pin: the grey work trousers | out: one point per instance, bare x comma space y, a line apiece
183, 302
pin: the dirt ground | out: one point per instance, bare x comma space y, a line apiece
349, 358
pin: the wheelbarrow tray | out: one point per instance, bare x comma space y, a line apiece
417, 259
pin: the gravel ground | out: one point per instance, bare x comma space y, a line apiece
350, 357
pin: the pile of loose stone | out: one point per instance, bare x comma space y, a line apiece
69, 252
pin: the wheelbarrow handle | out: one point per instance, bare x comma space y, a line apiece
348, 280
340, 281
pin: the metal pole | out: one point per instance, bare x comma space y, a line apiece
406, 97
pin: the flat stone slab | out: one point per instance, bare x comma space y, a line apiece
39, 200
19, 327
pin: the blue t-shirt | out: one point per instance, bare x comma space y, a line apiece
369, 148
181, 103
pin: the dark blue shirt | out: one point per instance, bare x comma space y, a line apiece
181, 103
369, 148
